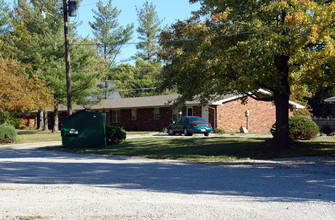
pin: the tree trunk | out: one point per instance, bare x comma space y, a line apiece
281, 136
106, 81
56, 120
36, 121
281, 98
40, 120
46, 123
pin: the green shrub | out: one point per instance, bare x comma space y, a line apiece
273, 129
162, 130
300, 128
115, 135
219, 131
11, 118
16, 122
7, 133
4, 117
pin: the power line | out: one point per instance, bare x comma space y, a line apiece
127, 90
217, 36
88, 4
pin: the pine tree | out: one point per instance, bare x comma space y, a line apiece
3, 19
148, 30
39, 44
110, 35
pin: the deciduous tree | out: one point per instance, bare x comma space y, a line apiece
241, 46
136, 81
18, 91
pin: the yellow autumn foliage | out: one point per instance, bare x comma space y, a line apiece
18, 91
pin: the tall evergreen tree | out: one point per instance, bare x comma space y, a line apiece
110, 34
39, 43
148, 30
4, 28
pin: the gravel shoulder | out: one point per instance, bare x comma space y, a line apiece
57, 185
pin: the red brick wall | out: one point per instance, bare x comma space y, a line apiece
145, 119
232, 115
196, 110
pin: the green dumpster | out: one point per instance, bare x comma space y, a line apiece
84, 129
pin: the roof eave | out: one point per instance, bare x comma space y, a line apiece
330, 100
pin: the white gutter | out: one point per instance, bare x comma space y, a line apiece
296, 105
330, 100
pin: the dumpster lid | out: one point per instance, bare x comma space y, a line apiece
75, 114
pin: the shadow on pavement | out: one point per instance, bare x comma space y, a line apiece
298, 181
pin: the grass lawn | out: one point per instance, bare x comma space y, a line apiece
31, 136
199, 149
214, 149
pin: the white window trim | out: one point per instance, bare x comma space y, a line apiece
157, 116
118, 116
133, 114
188, 109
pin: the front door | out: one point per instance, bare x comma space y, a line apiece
204, 112
190, 111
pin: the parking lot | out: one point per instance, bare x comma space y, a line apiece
59, 185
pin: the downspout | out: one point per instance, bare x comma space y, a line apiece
214, 116
247, 114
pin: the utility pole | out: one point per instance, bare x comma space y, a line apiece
67, 59
72, 13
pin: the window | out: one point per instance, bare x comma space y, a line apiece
134, 114
190, 111
116, 116
156, 113
108, 117
176, 114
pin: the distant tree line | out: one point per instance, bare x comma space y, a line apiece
32, 57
